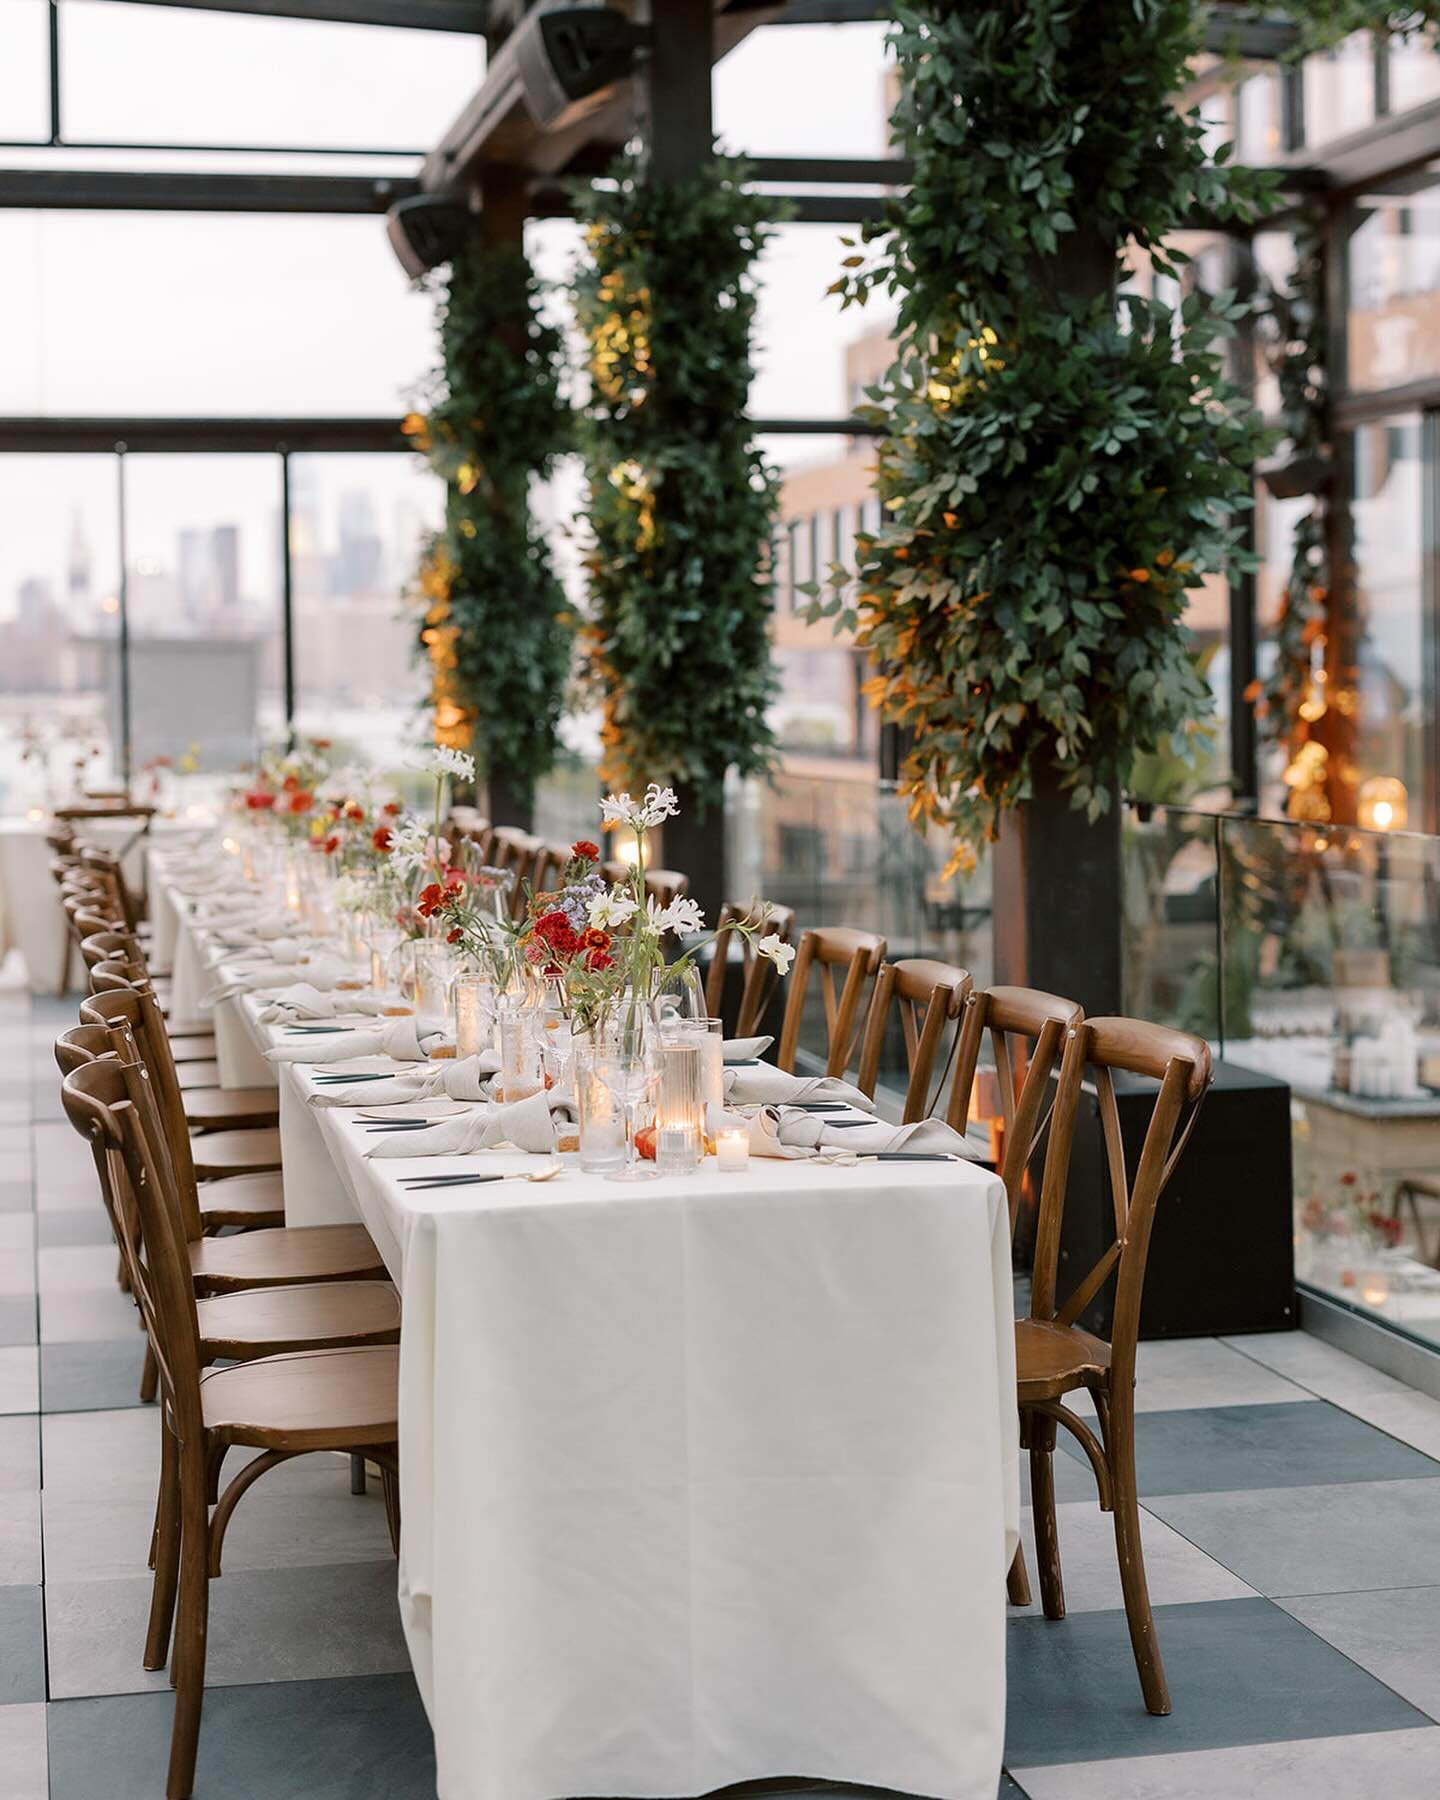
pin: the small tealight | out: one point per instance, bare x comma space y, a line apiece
732, 1150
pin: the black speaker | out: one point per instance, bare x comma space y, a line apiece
1222, 1252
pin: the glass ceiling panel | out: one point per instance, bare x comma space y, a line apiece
24, 70
161, 74
806, 90
239, 161
200, 315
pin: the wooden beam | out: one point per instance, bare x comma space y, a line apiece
467, 16
107, 190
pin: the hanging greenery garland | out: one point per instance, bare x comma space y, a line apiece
497, 629
681, 504
1057, 471
1291, 698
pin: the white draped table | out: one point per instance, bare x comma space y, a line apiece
703, 1480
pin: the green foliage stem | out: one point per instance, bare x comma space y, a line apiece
1058, 466
681, 504
498, 629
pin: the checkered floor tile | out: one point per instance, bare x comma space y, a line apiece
1291, 1525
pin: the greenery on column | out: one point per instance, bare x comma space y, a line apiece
1056, 472
1292, 700
681, 504
497, 628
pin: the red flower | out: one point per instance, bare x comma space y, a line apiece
429, 900
354, 810
331, 845
301, 802
585, 850
595, 939
391, 809
599, 959
454, 937
380, 838
319, 743
290, 783
259, 802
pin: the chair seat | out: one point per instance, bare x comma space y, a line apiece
234, 1153
269, 1321
1051, 1359
256, 1106
310, 1400
277, 1258
249, 1201
194, 1076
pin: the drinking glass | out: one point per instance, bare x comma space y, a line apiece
708, 1038
434, 971
384, 942
520, 1074
474, 1013
679, 994
630, 1077
602, 1119
679, 1109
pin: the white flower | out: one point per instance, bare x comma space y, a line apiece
657, 805
442, 760
608, 911
350, 894
407, 845
682, 916
779, 952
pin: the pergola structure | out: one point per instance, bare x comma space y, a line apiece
502, 161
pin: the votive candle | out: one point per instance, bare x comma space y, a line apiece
732, 1150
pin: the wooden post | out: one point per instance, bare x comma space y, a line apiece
678, 130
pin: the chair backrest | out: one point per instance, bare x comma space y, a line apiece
761, 976
664, 885
100, 943
1027, 1032
79, 1045
550, 866
860, 954
107, 867
929, 996
135, 1009
1095, 1051
109, 1102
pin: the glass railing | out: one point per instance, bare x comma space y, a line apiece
1312, 954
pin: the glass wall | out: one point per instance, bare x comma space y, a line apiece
59, 623
1393, 272
203, 599
1313, 955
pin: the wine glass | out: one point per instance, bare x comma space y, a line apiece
630, 1078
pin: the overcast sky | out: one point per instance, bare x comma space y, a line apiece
204, 314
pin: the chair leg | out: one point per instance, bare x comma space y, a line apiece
357, 1474
166, 1559
1133, 1583
1017, 1581
149, 1375
390, 1483
1042, 1503
190, 1630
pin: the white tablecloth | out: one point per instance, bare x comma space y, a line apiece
703, 1480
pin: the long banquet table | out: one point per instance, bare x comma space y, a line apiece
702, 1480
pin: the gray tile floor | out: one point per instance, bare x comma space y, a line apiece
1291, 1524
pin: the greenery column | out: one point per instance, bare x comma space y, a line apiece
681, 504
1062, 458
497, 629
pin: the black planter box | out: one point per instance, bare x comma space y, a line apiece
1222, 1252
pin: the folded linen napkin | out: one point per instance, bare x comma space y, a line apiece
768, 1086
746, 1049
305, 1001
527, 1124
399, 1039
464, 1079
263, 928
781, 1131
323, 971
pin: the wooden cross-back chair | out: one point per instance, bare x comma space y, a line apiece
761, 977
111, 872
1054, 1355
929, 996
281, 1406
860, 954
238, 1130
550, 864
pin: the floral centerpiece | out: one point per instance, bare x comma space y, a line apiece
600, 942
